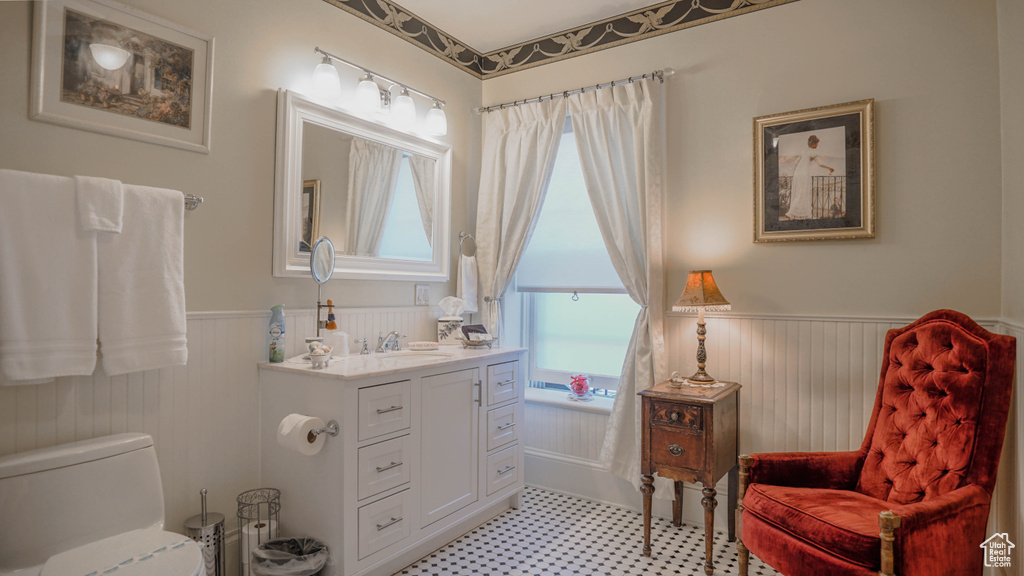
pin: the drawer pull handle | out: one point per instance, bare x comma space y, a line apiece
507, 469
388, 467
506, 382
386, 410
391, 523
676, 449
674, 416
506, 426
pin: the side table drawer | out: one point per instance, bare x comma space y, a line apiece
679, 415
678, 450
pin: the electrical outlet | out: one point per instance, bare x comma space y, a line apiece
422, 294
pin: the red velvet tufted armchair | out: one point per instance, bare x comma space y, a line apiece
914, 500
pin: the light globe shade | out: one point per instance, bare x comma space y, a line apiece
368, 94
403, 109
437, 122
326, 81
109, 57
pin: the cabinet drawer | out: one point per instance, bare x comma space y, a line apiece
677, 449
384, 409
678, 415
384, 466
501, 382
501, 426
502, 469
383, 523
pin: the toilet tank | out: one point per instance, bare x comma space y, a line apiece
58, 498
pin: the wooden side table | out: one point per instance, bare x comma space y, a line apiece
689, 434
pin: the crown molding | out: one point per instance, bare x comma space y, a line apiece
641, 24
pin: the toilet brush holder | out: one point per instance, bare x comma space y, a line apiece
207, 529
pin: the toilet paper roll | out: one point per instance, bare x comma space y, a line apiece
255, 533
296, 433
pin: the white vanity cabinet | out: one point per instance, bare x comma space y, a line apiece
428, 449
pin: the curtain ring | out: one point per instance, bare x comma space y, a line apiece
575, 296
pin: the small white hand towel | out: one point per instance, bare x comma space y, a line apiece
100, 203
466, 285
142, 284
47, 280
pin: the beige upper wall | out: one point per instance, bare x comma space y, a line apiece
261, 46
1011, 72
932, 68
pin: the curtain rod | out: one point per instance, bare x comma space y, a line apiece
659, 74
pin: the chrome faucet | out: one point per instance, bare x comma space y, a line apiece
389, 342
365, 349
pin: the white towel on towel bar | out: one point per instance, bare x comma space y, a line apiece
47, 281
100, 203
142, 284
467, 283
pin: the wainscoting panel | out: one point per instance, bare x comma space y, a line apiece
203, 417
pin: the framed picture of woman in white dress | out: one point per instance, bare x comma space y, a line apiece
814, 174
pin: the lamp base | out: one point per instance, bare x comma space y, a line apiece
701, 378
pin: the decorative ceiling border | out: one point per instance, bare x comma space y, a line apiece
644, 23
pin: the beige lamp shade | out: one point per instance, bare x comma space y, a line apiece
701, 293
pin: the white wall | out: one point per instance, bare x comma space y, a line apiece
1011, 75
932, 69
260, 46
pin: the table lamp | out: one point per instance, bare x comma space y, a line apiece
701, 293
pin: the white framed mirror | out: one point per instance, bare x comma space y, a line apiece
382, 195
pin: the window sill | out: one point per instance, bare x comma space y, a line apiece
559, 399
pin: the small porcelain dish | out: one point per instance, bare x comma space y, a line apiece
422, 345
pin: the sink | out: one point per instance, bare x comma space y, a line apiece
410, 358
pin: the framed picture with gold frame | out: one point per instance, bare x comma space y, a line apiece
310, 214
814, 174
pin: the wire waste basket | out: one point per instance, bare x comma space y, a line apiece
258, 512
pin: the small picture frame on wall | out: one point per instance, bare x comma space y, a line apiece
310, 214
107, 67
814, 174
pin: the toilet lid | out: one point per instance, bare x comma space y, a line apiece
148, 552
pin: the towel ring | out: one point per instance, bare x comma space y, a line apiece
463, 236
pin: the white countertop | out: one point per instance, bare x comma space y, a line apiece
367, 365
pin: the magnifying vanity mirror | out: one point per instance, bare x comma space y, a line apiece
383, 195
321, 266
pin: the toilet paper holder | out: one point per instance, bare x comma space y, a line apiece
330, 430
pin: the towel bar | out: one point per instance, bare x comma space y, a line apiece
192, 201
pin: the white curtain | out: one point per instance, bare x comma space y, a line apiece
619, 135
372, 177
519, 146
423, 182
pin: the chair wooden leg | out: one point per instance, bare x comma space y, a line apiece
744, 479
677, 505
888, 522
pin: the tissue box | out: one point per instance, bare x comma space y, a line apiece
449, 329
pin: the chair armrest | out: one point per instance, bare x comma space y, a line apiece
835, 470
942, 535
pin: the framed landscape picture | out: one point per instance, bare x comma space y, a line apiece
814, 176
107, 67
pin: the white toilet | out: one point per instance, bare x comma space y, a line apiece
90, 508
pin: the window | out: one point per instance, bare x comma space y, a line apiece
576, 317
404, 237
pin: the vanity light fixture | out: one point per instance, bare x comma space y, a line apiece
109, 57
371, 97
326, 81
700, 294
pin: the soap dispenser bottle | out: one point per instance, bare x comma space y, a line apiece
276, 332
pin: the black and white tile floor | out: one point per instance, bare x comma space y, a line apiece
557, 534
